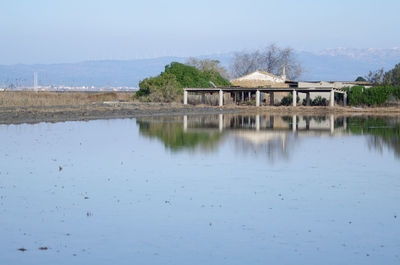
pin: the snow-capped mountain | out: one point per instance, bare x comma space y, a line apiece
347, 63
360, 53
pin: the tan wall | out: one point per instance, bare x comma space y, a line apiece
257, 83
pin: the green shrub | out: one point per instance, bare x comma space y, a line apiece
356, 95
319, 101
168, 86
162, 88
373, 96
216, 78
396, 92
190, 76
377, 95
288, 100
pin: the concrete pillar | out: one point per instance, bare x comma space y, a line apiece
294, 98
257, 122
294, 123
308, 99
249, 96
332, 99
271, 99
185, 123
185, 97
242, 99
332, 121
344, 99
258, 98
221, 98
203, 98
221, 122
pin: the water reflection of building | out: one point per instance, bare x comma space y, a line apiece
267, 134
273, 135
269, 124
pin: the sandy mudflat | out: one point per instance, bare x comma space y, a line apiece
16, 115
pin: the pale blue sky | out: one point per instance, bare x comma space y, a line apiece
50, 31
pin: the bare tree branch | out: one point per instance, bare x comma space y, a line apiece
271, 59
208, 65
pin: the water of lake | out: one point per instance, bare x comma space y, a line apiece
221, 189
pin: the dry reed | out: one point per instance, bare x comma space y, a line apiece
42, 98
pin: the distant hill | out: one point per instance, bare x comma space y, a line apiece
329, 64
344, 64
89, 73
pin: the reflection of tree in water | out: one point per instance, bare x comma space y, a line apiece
275, 148
383, 132
171, 133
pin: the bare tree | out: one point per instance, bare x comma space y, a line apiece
271, 59
376, 77
208, 65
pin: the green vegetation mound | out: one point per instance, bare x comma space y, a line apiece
168, 85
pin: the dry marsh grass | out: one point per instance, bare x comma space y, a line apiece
41, 98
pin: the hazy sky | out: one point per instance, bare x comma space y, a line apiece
50, 31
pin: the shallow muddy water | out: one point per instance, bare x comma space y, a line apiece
218, 189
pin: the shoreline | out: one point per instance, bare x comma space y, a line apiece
113, 110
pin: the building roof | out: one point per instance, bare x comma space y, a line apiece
259, 79
259, 72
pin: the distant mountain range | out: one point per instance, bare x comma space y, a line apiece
329, 64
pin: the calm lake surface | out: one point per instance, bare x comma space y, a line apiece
219, 189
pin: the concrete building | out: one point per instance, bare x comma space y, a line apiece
268, 89
334, 84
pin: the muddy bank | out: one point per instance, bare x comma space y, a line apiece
17, 115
